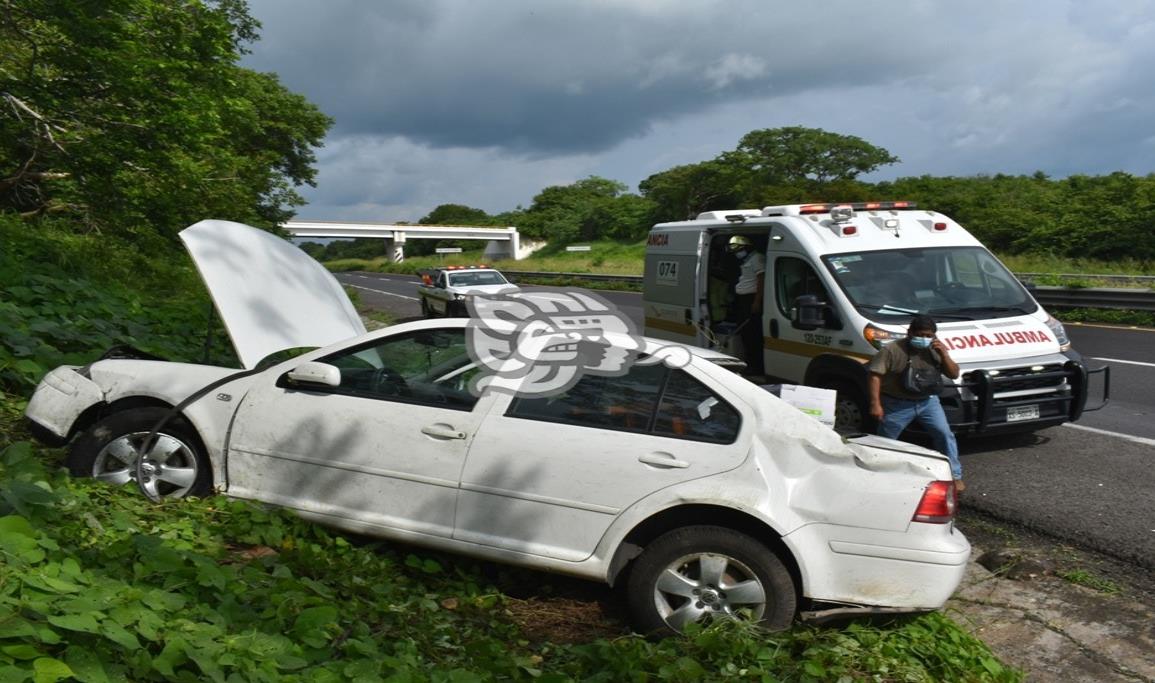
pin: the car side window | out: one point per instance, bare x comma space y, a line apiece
689, 410
430, 367
649, 399
623, 403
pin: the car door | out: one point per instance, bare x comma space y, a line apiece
547, 476
384, 449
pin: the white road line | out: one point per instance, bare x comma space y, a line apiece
1128, 437
370, 289
1128, 362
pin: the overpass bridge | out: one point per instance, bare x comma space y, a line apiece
502, 242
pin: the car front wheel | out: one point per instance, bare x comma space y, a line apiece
695, 574
107, 451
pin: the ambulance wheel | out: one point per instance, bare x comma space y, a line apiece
850, 412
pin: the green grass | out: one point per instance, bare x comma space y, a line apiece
1033, 263
1090, 580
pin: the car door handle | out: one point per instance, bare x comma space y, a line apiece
442, 431
663, 460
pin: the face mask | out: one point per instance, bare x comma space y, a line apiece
741, 253
920, 342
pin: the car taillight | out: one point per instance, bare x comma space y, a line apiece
938, 503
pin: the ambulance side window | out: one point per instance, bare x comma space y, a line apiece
793, 278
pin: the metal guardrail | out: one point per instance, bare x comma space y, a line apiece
1139, 280
1096, 297
592, 277
1133, 299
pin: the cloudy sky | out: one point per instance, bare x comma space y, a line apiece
486, 102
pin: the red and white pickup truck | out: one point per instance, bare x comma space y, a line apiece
444, 291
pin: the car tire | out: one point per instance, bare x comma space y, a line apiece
426, 311
106, 451
850, 412
695, 573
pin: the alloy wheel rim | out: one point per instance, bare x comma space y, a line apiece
170, 463
704, 586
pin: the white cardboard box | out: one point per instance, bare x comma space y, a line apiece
815, 402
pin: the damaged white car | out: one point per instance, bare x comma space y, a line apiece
703, 494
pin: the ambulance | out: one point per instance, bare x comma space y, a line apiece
842, 280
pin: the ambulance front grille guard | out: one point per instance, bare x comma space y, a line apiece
1054, 383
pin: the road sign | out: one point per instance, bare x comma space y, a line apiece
578, 247
448, 250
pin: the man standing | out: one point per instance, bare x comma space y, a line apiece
748, 302
904, 384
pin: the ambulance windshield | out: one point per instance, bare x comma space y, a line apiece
960, 283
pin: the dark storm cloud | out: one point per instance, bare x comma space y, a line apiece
556, 77
486, 103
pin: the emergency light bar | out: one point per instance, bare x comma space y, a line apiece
854, 206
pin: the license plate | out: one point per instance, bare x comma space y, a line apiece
1019, 413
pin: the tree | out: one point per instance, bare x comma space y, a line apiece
683, 192
456, 214
132, 115
559, 212
791, 155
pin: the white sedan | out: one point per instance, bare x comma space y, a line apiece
706, 495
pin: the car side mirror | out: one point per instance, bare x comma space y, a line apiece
809, 313
316, 373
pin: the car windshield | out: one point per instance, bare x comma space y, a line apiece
959, 283
486, 277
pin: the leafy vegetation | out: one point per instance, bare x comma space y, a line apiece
133, 117
114, 295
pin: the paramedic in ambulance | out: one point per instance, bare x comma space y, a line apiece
748, 300
905, 379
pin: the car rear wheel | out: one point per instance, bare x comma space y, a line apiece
107, 452
695, 574
426, 311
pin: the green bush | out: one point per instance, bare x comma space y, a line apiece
65, 299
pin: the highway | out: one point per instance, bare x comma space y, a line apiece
1091, 484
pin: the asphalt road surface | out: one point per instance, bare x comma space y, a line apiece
1091, 484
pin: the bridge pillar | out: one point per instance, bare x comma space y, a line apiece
395, 248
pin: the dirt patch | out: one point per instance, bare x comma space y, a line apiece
564, 620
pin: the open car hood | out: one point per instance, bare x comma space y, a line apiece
271, 295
